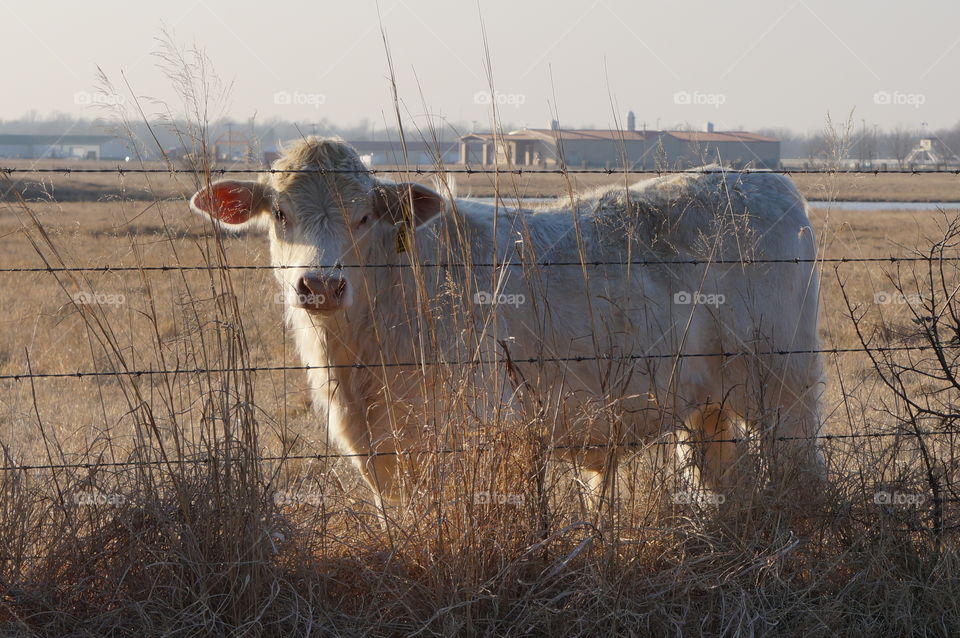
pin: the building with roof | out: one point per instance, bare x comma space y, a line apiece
736, 149
635, 149
551, 147
31, 146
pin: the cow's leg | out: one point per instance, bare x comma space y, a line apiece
381, 473
593, 467
705, 450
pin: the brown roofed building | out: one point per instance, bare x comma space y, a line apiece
588, 148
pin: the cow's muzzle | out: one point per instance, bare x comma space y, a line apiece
322, 293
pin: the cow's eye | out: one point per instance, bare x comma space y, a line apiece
279, 215
363, 220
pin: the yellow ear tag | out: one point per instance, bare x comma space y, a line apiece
402, 238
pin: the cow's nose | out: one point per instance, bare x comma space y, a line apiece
321, 292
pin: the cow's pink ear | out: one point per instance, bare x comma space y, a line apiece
413, 203
232, 202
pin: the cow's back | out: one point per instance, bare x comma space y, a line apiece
633, 300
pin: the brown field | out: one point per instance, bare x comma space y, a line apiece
230, 544
815, 187
932, 187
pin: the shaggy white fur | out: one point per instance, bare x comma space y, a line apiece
637, 317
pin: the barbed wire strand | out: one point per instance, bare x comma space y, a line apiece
508, 264
467, 170
469, 362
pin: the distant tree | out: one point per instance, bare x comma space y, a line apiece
901, 141
950, 138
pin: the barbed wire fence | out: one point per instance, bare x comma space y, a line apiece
466, 362
467, 170
10, 171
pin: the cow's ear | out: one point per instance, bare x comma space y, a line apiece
413, 203
232, 202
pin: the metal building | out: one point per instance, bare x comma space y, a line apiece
636, 149
30, 146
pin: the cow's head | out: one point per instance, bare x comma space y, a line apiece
327, 213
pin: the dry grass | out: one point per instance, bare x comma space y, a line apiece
230, 545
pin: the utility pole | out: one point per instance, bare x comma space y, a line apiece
863, 137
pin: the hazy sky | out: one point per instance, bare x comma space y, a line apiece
740, 64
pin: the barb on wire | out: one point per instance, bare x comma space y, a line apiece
467, 362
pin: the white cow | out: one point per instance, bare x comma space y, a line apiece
585, 296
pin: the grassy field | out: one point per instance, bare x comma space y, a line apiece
815, 187
818, 187
226, 544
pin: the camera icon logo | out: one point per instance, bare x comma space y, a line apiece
484, 98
